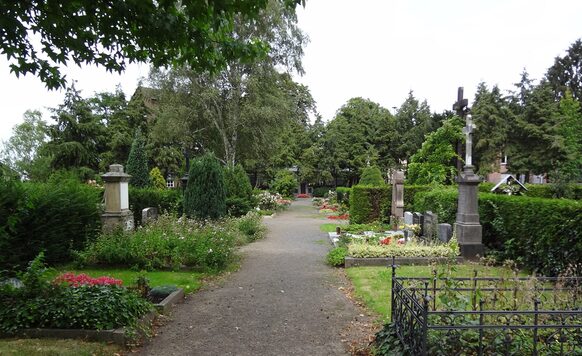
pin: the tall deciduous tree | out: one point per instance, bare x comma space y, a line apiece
434, 161
235, 108
21, 151
111, 34
570, 129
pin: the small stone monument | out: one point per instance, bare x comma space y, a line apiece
469, 230
149, 214
418, 219
444, 232
117, 213
407, 218
398, 195
430, 225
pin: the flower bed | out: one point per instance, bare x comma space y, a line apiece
339, 217
395, 249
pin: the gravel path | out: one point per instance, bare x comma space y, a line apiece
284, 300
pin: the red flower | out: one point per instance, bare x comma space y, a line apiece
70, 279
303, 195
339, 217
386, 241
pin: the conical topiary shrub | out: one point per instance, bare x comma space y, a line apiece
372, 176
239, 192
205, 194
137, 163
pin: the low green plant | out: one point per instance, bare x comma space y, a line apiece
251, 226
40, 304
284, 183
410, 249
166, 243
336, 256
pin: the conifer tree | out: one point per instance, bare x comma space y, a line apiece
239, 192
137, 163
371, 176
157, 179
205, 195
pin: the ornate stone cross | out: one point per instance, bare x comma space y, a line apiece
468, 131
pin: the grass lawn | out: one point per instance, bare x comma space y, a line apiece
330, 227
372, 284
190, 281
46, 347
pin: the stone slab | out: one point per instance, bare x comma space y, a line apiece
168, 303
115, 336
408, 218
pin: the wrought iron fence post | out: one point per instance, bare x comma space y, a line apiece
481, 302
423, 346
474, 292
535, 330
434, 287
392, 290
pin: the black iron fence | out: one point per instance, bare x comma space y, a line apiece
441, 315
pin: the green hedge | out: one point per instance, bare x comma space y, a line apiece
541, 234
343, 195
55, 218
548, 191
368, 203
410, 192
165, 200
320, 192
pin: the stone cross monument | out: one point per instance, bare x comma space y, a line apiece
468, 229
117, 213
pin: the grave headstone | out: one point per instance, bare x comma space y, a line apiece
407, 218
149, 214
430, 225
444, 232
418, 219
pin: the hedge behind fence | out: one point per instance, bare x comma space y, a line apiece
549, 191
56, 218
541, 234
166, 200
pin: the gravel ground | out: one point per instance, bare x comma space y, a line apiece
284, 300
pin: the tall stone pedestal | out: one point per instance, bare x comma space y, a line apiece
397, 207
468, 229
117, 214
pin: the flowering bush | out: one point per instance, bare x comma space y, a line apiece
303, 196
339, 217
402, 250
268, 201
76, 280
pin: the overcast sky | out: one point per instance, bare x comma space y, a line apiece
380, 50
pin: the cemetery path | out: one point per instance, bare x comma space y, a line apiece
284, 300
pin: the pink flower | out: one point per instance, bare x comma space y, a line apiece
72, 280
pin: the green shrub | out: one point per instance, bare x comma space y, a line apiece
42, 305
239, 192
205, 195
364, 250
541, 234
166, 201
165, 243
368, 204
157, 179
410, 192
137, 163
336, 257
284, 183
251, 226
56, 218
320, 192
343, 195
371, 176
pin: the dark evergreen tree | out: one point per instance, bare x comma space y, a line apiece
238, 189
205, 195
566, 73
137, 163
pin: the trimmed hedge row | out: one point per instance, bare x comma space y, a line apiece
548, 191
544, 235
56, 218
165, 200
368, 203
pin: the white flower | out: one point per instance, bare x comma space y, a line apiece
209, 250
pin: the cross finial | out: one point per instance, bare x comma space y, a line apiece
462, 105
